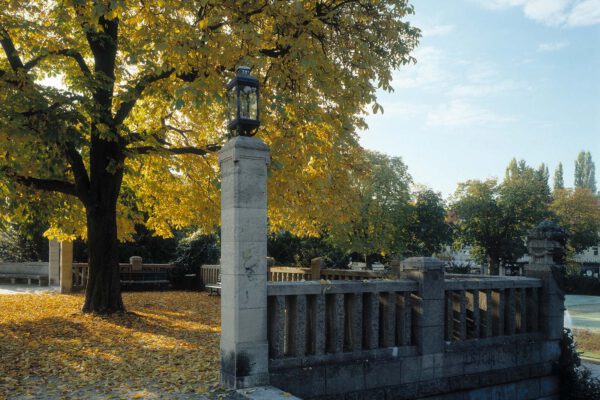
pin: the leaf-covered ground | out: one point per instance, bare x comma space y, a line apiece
588, 342
167, 346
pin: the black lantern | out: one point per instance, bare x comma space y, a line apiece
242, 103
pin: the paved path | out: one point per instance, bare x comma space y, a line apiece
583, 312
21, 289
595, 368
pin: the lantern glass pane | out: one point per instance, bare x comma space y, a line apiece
231, 104
248, 102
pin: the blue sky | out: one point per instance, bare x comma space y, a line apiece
495, 79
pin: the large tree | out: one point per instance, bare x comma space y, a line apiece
384, 194
115, 109
585, 171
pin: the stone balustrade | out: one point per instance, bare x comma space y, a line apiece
319, 321
487, 306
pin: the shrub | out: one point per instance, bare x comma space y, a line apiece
288, 249
576, 382
191, 253
579, 284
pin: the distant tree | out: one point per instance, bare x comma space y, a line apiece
494, 218
578, 211
427, 228
585, 171
482, 224
384, 204
559, 182
524, 196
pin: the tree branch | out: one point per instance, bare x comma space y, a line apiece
74, 54
135, 93
9, 49
48, 185
82, 180
211, 148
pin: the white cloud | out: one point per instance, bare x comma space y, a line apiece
585, 13
429, 71
552, 12
459, 113
553, 46
438, 30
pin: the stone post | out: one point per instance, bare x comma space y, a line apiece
316, 265
244, 347
54, 262
545, 245
429, 272
66, 267
136, 263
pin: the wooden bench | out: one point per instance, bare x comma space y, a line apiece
144, 279
13, 276
214, 288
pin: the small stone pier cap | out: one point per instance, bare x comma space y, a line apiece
423, 264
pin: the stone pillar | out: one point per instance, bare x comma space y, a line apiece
316, 265
66, 267
429, 272
545, 245
136, 263
54, 262
244, 347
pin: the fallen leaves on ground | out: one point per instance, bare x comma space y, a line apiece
167, 343
588, 342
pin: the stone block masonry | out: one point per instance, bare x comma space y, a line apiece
244, 347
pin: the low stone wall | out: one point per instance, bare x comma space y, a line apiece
34, 268
515, 368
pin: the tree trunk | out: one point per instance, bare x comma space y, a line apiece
103, 291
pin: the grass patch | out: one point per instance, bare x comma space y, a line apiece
588, 342
167, 343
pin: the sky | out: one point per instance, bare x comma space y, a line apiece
494, 79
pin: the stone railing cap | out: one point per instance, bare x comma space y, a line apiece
245, 142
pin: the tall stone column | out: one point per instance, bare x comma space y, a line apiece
429, 273
54, 262
244, 348
66, 267
545, 245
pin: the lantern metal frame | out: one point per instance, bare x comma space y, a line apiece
239, 125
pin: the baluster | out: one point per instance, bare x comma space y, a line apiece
404, 319
297, 317
510, 311
317, 319
335, 323
498, 312
276, 318
473, 300
522, 310
449, 315
389, 320
371, 319
485, 300
354, 324
462, 314
533, 312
